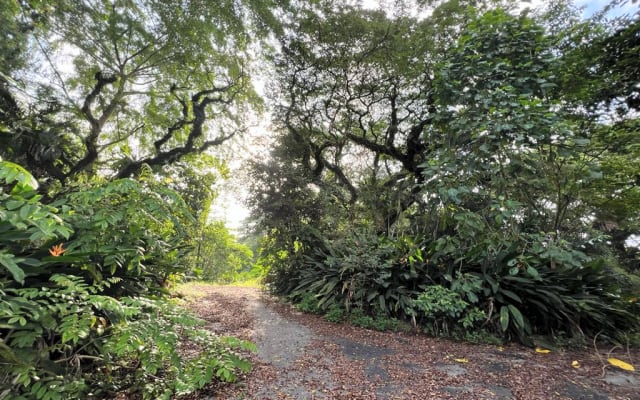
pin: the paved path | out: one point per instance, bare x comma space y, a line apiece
304, 357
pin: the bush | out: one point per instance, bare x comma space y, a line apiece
335, 314
530, 283
64, 333
133, 230
308, 304
379, 322
444, 312
365, 271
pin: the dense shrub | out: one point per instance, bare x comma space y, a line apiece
479, 280
364, 271
530, 283
64, 332
135, 230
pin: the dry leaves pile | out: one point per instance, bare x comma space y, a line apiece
346, 362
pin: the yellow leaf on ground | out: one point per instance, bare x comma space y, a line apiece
461, 360
500, 348
620, 364
575, 364
542, 351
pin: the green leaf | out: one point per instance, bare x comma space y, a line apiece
504, 318
533, 272
11, 172
517, 316
10, 263
381, 301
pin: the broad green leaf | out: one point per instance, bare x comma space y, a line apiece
504, 318
10, 263
11, 172
533, 272
517, 316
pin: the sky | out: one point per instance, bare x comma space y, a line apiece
229, 206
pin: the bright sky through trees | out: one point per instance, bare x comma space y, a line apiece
229, 206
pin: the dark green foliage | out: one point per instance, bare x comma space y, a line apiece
363, 271
378, 322
308, 303
335, 313
65, 334
135, 230
526, 283
475, 190
442, 309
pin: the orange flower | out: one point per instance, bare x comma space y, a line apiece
57, 251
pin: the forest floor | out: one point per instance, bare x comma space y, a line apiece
302, 356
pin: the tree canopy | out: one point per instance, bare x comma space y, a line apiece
465, 147
116, 85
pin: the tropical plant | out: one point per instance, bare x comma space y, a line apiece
63, 333
136, 230
498, 174
363, 271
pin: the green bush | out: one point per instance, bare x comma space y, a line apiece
530, 283
335, 314
378, 322
365, 271
64, 333
308, 304
135, 230
445, 312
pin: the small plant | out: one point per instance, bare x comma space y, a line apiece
380, 322
439, 302
445, 310
308, 304
335, 314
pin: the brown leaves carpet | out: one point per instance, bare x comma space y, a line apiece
303, 356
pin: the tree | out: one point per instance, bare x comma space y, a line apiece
218, 256
472, 148
131, 83
356, 105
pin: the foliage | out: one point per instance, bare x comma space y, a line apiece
114, 86
363, 271
219, 257
308, 303
64, 333
135, 230
335, 314
280, 256
379, 322
528, 283
453, 311
24, 221
476, 187
67, 341
143, 354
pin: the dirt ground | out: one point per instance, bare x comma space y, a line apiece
303, 356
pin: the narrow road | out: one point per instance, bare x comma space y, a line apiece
302, 356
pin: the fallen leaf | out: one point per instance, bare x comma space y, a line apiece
540, 350
461, 360
620, 364
575, 364
500, 348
